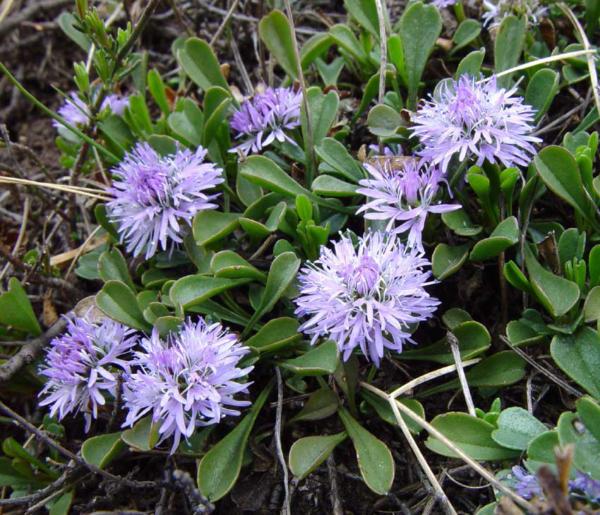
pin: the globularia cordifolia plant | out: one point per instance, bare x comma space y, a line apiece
263, 255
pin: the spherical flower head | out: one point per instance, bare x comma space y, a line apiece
156, 197
265, 118
475, 120
76, 112
403, 191
186, 380
82, 366
365, 296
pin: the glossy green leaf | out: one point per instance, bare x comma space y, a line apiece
471, 435
118, 301
323, 108
328, 186
264, 172
447, 260
314, 47
275, 335
344, 38
508, 46
384, 121
188, 124
338, 158
473, 340
578, 356
156, 86
503, 236
556, 294
517, 428
541, 450
275, 31
201, 65
308, 453
68, 23
220, 467
591, 307
385, 412
419, 28
195, 289
559, 171
321, 404
143, 435
374, 458
112, 266
101, 450
471, 64
589, 413
365, 13
541, 91
16, 310
211, 226
460, 223
231, 265
515, 277
318, 361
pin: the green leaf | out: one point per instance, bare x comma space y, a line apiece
275, 31
118, 301
264, 172
156, 86
460, 223
541, 450
571, 244
501, 369
188, 124
419, 28
587, 448
16, 310
308, 453
447, 260
143, 435
509, 46
112, 266
517, 428
559, 171
321, 404
275, 335
314, 47
467, 31
323, 108
67, 22
374, 458
211, 226
578, 356
385, 412
231, 265
344, 38
101, 450
201, 65
365, 13
473, 340
515, 277
321, 360
220, 467
556, 294
339, 159
384, 121
471, 435
541, 90
61, 505
195, 289
591, 307
281, 274
328, 186
504, 236
589, 413
471, 64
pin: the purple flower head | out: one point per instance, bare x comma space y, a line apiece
81, 366
524, 484
585, 487
403, 192
155, 195
496, 10
441, 4
75, 111
365, 296
187, 380
265, 118
478, 120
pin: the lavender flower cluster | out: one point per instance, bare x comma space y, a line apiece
76, 112
186, 380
